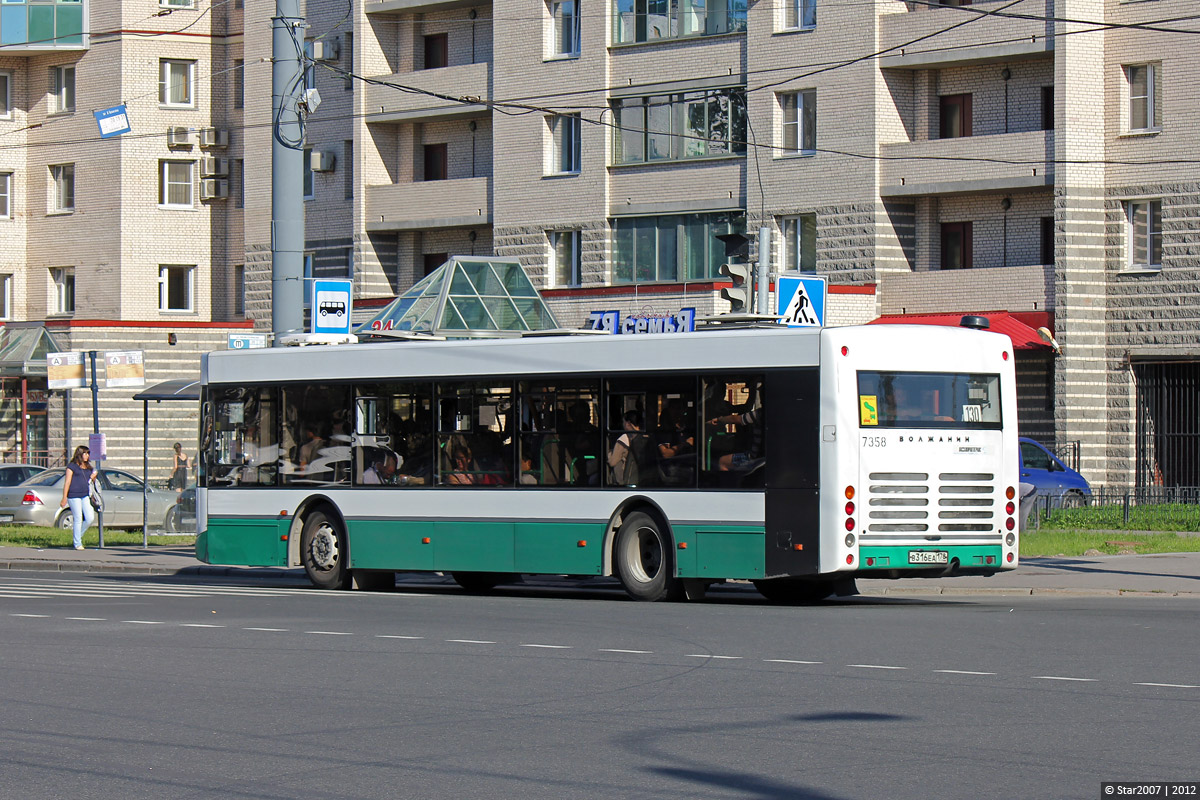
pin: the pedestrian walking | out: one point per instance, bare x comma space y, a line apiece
180, 464
76, 490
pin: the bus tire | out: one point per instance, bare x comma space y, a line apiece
323, 551
794, 591
643, 559
480, 581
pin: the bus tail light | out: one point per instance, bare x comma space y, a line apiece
845, 350
849, 540
850, 509
1010, 523
1010, 509
870, 562
850, 523
1010, 539
849, 492
1010, 493
850, 558
1010, 558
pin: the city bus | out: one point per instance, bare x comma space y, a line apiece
795, 458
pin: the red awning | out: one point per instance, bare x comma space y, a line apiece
1020, 327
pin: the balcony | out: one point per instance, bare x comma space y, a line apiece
416, 6
985, 39
1028, 288
923, 168
458, 203
470, 81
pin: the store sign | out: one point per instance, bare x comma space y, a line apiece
124, 368
65, 371
247, 341
682, 321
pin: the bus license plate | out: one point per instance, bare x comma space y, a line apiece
928, 557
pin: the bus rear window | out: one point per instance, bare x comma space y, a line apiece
928, 400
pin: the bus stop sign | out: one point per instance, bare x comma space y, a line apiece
331, 306
801, 300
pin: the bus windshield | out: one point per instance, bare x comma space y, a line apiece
928, 400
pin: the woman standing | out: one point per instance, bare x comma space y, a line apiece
76, 488
179, 468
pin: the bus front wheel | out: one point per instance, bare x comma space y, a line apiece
323, 551
643, 559
794, 591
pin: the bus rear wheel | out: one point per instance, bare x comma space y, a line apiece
644, 559
323, 551
794, 591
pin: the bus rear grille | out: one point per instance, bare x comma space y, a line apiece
899, 508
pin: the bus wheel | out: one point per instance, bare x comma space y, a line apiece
323, 551
794, 591
643, 559
480, 581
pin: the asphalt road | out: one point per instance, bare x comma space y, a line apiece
152, 688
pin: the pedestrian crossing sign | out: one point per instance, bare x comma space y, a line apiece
801, 300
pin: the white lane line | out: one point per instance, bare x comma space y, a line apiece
963, 672
271, 630
331, 633
636, 652
38, 616
198, 625
1170, 685
469, 641
87, 619
789, 661
549, 646
395, 636
874, 666
142, 621
1063, 678
706, 655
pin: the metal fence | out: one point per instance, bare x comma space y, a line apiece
1149, 508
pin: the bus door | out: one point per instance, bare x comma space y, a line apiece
793, 520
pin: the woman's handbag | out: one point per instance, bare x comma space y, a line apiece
94, 496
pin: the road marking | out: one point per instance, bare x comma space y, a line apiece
142, 621
331, 633
874, 666
395, 636
706, 655
790, 661
42, 616
549, 646
963, 672
636, 652
469, 641
1170, 685
88, 619
198, 625
1063, 678
271, 630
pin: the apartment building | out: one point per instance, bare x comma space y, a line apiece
1028, 159
125, 242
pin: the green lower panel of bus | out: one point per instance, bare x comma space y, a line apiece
247, 542
727, 552
929, 556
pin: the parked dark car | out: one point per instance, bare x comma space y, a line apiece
181, 518
1051, 478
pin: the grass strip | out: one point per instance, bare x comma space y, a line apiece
31, 536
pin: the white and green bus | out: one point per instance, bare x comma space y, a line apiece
798, 459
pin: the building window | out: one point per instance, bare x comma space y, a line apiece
955, 119
564, 144
348, 55
239, 182
437, 51
679, 247
1145, 234
1047, 240
64, 289
62, 188
679, 126
175, 184
239, 290
431, 261
956, 245
799, 15
800, 243
175, 288
1144, 113
5, 195
6, 296
565, 247
175, 79
239, 83
308, 174
310, 66
62, 90
1047, 108
348, 167
798, 110
564, 20
5, 95
436, 168
648, 20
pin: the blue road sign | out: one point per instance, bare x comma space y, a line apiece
801, 300
331, 306
112, 121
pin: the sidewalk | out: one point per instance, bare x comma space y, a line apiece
1167, 574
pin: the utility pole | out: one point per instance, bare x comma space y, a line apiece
287, 171
764, 270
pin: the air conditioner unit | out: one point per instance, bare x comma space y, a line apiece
179, 137
325, 50
210, 167
214, 189
321, 161
214, 137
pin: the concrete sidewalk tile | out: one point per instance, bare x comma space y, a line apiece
913, 590
1004, 591
1079, 592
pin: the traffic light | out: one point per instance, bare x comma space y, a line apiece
739, 293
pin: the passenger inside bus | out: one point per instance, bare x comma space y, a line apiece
628, 456
675, 443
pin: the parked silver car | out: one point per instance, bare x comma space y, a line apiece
36, 501
12, 474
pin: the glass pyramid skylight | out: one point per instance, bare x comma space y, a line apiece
467, 296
